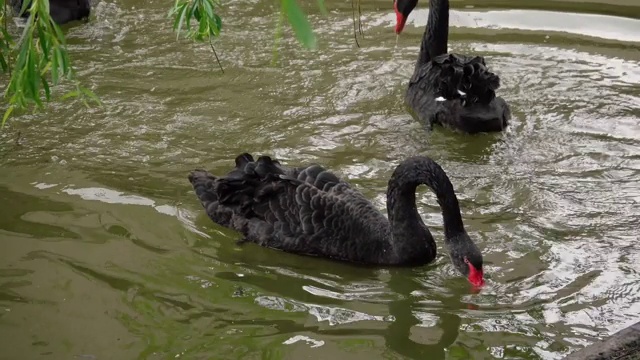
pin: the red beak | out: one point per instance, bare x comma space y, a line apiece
400, 19
476, 277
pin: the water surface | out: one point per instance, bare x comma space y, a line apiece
107, 254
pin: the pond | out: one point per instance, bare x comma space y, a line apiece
105, 253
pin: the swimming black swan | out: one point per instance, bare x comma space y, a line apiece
61, 11
310, 211
452, 90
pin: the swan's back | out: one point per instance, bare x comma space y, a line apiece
446, 74
458, 91
306, 210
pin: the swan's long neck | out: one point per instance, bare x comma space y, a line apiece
436, 33
411, 238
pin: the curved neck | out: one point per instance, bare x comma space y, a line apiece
409, 232
411, 240
436, 33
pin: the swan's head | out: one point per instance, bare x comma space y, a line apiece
467, 258
403, 8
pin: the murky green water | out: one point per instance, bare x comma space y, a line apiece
106, 254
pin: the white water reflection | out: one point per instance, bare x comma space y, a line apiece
108, 196
314, 343
330, 314
594, 25
552, 201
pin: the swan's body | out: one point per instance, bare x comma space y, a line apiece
61, 11
452, 90
310, 211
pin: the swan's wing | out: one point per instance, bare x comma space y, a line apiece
313, 174
453, 76
283, 212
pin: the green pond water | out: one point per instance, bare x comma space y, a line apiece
105, 253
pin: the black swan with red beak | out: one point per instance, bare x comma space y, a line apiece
310, 211
61, 11
452, 90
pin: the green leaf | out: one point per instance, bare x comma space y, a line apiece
182, 14
62, 64
89, 94
47, 91
70, 94
4, 65
44, 9
203, 29
208, 8
218, 21
54, 68
193, 13
25, 5
7, 114
32, 76
44, 44
300, 24
22, 55
59, 35
323, 9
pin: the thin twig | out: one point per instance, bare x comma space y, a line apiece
6, 41
360, 19
353, 17
216, 55
277, 36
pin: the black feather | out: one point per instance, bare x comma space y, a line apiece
309, 210
440, 74
61, 11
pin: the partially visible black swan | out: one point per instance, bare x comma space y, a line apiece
310, 211
61, 11
452, 90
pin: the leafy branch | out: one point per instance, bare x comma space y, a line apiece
40, 58
39, 55
209, 23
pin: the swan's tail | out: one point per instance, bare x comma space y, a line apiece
232, 196
481, 82
466, 77
206, 185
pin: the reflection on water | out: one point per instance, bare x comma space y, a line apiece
600, 26
102, 234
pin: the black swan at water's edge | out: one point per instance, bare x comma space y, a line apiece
310, 211
452, 90
61, 11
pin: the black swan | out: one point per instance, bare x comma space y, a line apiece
61, 11
452, 90
310, 211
